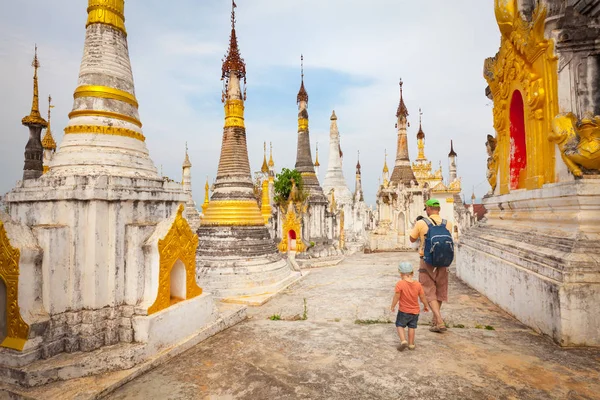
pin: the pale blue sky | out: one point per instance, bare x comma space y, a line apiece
355, 51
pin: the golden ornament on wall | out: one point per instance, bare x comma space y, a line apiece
17, 331
579, 142
179, 244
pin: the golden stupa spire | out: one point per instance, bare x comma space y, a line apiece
385, 166
271, 162
421, 137
317, 164
206, 195
48, 142
265, 167
35, 118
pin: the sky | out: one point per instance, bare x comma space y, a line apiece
355, 52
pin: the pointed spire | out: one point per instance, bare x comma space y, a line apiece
420, 134
48, 142
206, 195
333, 116
402, 110
187, 163
302, 94
271, 162
452, 152
358, 163
35, 118
265, 167
233, 62
317, 163
385, 166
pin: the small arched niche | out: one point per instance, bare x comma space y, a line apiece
518, 147
178, 282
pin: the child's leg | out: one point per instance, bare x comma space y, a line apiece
411, 336
401, 333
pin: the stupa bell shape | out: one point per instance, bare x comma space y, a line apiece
104, 134
334, 179
236, 255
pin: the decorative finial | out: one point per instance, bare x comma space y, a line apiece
317, 164
34, 118
48, 141
452, 152
271, 162
420, 134
385, 166
302, 93
265, 167
358, 163
333, 116
233, 62
402, 110
186, 162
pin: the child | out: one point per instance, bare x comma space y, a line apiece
408, 291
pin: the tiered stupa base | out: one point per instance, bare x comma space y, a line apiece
538, 258
96, 276
241, 264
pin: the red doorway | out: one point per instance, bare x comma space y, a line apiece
518, 147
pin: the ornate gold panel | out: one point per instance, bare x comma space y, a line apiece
180, 243
107, 12
291, 222
104, 130
524, 63
17, 329
233, 213
302, 124
234, 113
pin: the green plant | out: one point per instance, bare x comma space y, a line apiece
275, 317
305, 314
478, 326
283, 186
490, 328
312, 244
372, 321
458, 326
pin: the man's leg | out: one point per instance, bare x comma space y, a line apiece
435, 309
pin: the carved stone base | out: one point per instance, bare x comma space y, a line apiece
538, 257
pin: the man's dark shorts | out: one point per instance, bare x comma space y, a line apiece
404, 319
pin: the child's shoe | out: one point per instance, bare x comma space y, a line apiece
403, 346
411, 346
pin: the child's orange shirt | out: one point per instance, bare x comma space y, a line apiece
409, 296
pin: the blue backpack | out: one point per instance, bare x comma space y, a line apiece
439, 246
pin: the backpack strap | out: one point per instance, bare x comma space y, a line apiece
428, 222
444, 222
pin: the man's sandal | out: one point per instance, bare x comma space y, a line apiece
403, 346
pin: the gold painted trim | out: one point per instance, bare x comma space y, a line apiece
105, 92
308, 174
107, 114
17, 331
104, 130
107, 12
302, 124
234, 113
179, 244
233, 213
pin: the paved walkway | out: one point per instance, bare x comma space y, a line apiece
330, 356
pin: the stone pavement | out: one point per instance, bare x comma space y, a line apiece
330, 356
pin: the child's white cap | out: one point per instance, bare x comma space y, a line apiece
405, 267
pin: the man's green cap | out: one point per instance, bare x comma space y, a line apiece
432, 203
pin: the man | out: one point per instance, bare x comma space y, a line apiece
433, 280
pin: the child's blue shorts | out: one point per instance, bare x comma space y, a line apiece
404, 319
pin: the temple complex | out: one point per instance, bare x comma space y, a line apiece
537, 254
401, 197
236, 256
97, 262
